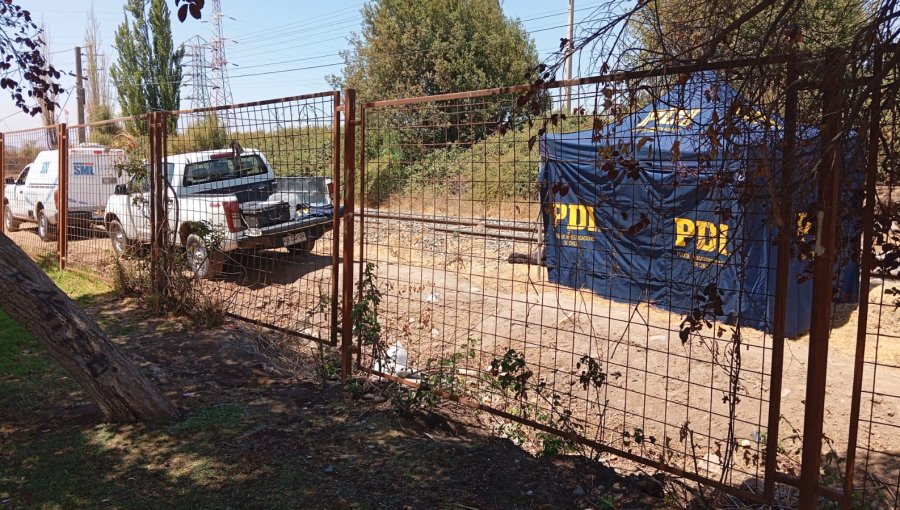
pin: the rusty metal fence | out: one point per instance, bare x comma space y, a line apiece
425, 234
29, 201
143, 202
452, 246
872, 470
277, 265
454, 223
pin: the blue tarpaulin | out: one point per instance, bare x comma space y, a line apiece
664, 206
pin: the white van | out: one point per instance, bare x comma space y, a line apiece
33, 196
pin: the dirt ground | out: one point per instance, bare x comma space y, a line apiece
257, 435
444, 292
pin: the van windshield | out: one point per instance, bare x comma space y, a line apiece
223, 169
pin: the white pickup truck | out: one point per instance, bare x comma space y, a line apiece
33, 196
220, 201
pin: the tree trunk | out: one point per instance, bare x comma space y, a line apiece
75, 341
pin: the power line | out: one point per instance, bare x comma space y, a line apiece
277, 27
241, 52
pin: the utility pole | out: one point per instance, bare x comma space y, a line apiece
569, 47
79, 94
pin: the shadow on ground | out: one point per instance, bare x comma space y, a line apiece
257, 436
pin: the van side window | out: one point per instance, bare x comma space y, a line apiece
45, 167
22, 176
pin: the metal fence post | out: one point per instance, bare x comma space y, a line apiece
157, 202
867, 261
823, 274
336, 221
349, 195
3, 175
62, 194
785, 233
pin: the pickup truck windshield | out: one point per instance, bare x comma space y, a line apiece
222, 169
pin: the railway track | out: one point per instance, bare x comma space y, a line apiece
493, 228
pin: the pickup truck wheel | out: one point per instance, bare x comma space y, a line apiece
45, 231
302, 249
203, 263
117, 237
9, 222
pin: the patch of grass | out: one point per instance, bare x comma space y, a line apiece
80, 288
19, 356
216, 419
29, 379
56, 463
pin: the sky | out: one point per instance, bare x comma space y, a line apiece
274, 48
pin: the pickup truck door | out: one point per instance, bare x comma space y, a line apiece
138, 207
17, 201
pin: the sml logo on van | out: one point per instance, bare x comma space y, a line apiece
84, 169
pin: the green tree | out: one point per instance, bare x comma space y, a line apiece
147, 74
681, 30
423, 47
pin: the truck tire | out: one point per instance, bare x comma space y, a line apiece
117, 237
9, 222
45, 230
302, 249
203, 263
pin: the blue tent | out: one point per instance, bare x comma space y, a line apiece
671, 205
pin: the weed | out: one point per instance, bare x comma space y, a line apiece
552, 445
438, 375
366, 327
511, 372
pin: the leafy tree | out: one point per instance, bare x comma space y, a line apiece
148, 72
680, 30
423, 47
24, 69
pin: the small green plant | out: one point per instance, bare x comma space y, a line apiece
366, 326
592, 373
553, 445
213, 235
407, 401
605, 503
438, 375
513, 431
206, 133
511, 372
354, 387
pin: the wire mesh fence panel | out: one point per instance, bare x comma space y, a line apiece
99, 155
606, 276
249, 202
876, 470
30, 200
